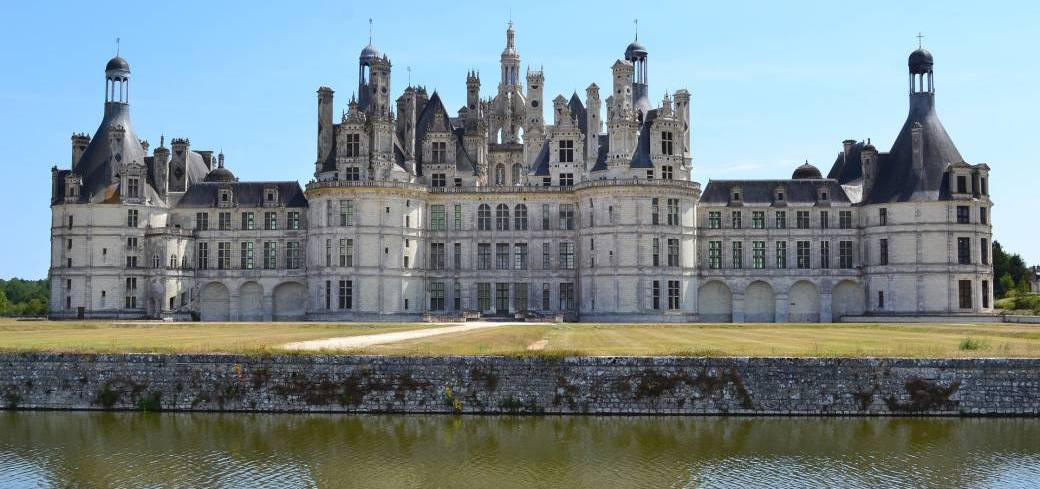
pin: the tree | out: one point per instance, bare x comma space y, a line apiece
3, 302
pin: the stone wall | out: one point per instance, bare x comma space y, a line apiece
602, 385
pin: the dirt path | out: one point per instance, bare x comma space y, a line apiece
383, 338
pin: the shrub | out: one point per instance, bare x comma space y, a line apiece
972, 344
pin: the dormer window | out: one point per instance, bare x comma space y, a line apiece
133, 188
666, 143
439, 154
962, 184
736, 196
270, 197
779, 195
353, 145
225, 199
567, 151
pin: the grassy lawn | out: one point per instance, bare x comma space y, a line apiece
801, 340
149, 337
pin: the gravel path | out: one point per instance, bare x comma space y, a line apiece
383, 338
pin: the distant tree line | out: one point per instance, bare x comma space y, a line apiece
1010, 272
20, 297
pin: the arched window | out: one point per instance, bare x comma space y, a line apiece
520, 217
484, 217
184, 261
155, 261
500, 174
517, 169
173, 261
502, 217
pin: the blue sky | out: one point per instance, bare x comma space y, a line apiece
773, 83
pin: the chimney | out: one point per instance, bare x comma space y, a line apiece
161, 169
325, 128
847, 147
79, 146
868, 160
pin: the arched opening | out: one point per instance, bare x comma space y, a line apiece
847, 300
517, 171
759, 303
251, 302
715, 302
804, 304
214, 302
290, 301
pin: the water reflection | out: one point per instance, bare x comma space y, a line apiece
394, 451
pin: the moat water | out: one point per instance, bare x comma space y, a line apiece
81, 449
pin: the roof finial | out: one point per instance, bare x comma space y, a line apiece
636, 22
162, 139
409, 76
919, 38
370, 30
117, 47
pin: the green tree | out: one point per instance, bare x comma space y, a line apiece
3, 302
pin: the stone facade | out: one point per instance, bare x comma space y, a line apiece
413, 211
593, 385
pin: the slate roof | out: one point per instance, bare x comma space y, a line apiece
848, 168
601, 155
641, 157
761, 191
245, 194
578, 111
97, 166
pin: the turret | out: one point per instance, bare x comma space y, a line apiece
622, 93
79, 145
161, 167
473, 92
374, 81
869, 161
179, 164
510, 60
636, 54
325, 127
682, 110
592, 122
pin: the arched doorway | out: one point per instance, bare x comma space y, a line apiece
715, 302
290, 301
847, 300
804, 303
214, 302
251, 302
759, 303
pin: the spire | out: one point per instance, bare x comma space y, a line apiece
370, 30
117, 47
636, 22
919, 43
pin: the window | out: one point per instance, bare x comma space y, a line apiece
520, 256
484, 217
825, 254
567, 216
436, 256
962, 184
483, 296
270, 254
458, 217
666, 172
328, 252
714, 219
964, 251
483, 256
520, 217
738, 254
502, 217
223, 255
758, 219
353, 146
715, 254
155, 260
70, 222
825, 220
292, 220
566, 151
655, 250
437, 218
545, 297
439, 152
501, 297
673, 212
883, 251
133, 188
248, 221
131, 293
457, 258
546, 221
520, 296
964, 293
546, 256
962, 214
566, 256
131, 218
845, 219
735, 220
201, 257
803, 257
292, 255
781, 219
271, 221
566, 296
502, 256
666, 143
566, 179
985, 294
802, 219
246, 259
224, 221
438, 180
457, 296
881, 299
547, 181
346, 252
983, 218
758, 254
655, 294
883, 216
458, 182
781, 254
845, 254
437, 296
673, 294
984, 250
346, 294
592, 253
673, 252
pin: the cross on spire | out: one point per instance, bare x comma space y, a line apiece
919, 39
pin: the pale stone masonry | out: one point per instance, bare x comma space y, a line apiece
495, 211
